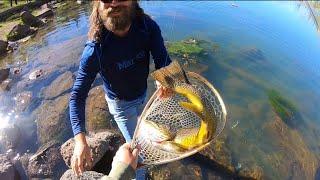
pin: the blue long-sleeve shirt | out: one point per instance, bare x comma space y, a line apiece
123, 64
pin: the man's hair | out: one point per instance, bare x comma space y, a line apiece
96, 26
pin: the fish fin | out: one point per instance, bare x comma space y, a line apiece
192, 97
167, 76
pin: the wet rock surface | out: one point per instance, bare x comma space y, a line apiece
3, 47
4, 74
52, 119
20, 31
6, 85
30, 20
23, 101
97, 112
47, 162
10, 137
7, 169
87, 175
36, 74
59, 86
46, 12
103, 145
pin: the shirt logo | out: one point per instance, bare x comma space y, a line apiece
128, 63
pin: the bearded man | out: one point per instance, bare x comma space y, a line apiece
121, 38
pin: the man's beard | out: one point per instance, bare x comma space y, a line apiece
118, 23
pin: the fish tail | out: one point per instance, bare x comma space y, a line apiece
169, 75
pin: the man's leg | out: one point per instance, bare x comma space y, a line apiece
127, 121
125, 113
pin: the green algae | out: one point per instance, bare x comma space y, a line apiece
283, 107
186, 48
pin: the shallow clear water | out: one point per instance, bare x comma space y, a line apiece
262, 46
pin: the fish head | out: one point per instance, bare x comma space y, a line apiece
154, 131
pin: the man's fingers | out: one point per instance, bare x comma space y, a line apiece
89, 159
135, 153
79, 166
126, 145
74, 166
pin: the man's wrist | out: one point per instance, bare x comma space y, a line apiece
80, 138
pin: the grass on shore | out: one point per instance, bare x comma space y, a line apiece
5, 4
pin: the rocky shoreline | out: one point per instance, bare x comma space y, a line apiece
26, 25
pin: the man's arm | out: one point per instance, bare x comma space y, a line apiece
157, 48
88, 69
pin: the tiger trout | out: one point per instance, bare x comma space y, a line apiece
174, 77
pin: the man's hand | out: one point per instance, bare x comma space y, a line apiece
163, 91
125, 155
81, 155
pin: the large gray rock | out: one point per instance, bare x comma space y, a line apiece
4, 74
101, 144
7, 169
19, 31
59, 86
47, 162
30, 20
97, 112
46, 6
45, 13
52, 119
3, 47
87, 175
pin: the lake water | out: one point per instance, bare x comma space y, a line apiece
261, 46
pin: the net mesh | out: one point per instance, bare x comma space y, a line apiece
168, 112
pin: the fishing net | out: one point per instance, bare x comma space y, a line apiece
168, 112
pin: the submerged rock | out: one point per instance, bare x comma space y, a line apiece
293, 159
87, 175
7, 169
219, 153
6, 85
10, 137
19, 31
52, 120
102, 144
253, 54
252, 171
36, 74
23, 101
4, 74
3, 47
59, 86
47, 162
30, 20
285, 109
97, 113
